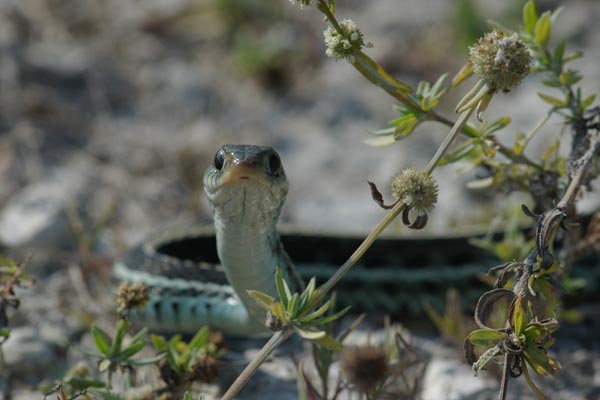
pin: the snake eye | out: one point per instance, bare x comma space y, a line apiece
274, 163
219, 160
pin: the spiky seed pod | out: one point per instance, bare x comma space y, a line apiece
415, 188
364, 367
204, 370
500, 59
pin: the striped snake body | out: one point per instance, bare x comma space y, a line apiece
246, 186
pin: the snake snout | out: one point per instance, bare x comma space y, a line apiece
241, 170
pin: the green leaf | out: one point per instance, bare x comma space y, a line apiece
173, 352
308, 334
384, 132
588, 101
404, 125
140, 336
541, 363
132, 349
542, 29
330, 318
519, 143
200, 339
9, 263
381, 141
102, 340
569, 78
278, 311
104, 365
310, 288
552, 82
552, 100
283, 290
146, 361
292, 307
377, 75
459, 153
531, 384
534, 333
486, 337
498, 124
119, 335
329, 343
529, 17
317, 313
559, 52
158, 342
461, 75
485, 358
519, 319
482, 183
82, 383
438, 85
262, 299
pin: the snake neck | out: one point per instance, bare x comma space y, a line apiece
250, 255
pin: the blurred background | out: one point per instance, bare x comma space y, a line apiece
113, 109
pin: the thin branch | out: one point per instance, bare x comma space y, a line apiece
504, 382
276, 339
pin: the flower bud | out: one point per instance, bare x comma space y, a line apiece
500, 59
343, 44
415, 188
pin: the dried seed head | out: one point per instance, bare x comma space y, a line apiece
500, 59
364, 367
415, 188
130, 296
204, 370
343, 44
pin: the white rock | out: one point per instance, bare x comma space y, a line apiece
25, 352
450, 379
36, 216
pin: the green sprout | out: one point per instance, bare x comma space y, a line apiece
523, 343
186, 363
114, 355
292, 311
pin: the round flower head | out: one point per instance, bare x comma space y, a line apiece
415, 188
418, 191
500, 59
343, 44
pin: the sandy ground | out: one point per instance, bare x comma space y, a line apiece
110, 112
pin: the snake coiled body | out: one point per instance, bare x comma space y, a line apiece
246, 187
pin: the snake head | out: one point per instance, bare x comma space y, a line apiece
246, 184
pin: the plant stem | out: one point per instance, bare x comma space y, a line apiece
387, 218
7, 389
276, 339
448, 140
504, 382
281, 336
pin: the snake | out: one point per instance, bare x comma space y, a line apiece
246, 187
199, 275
